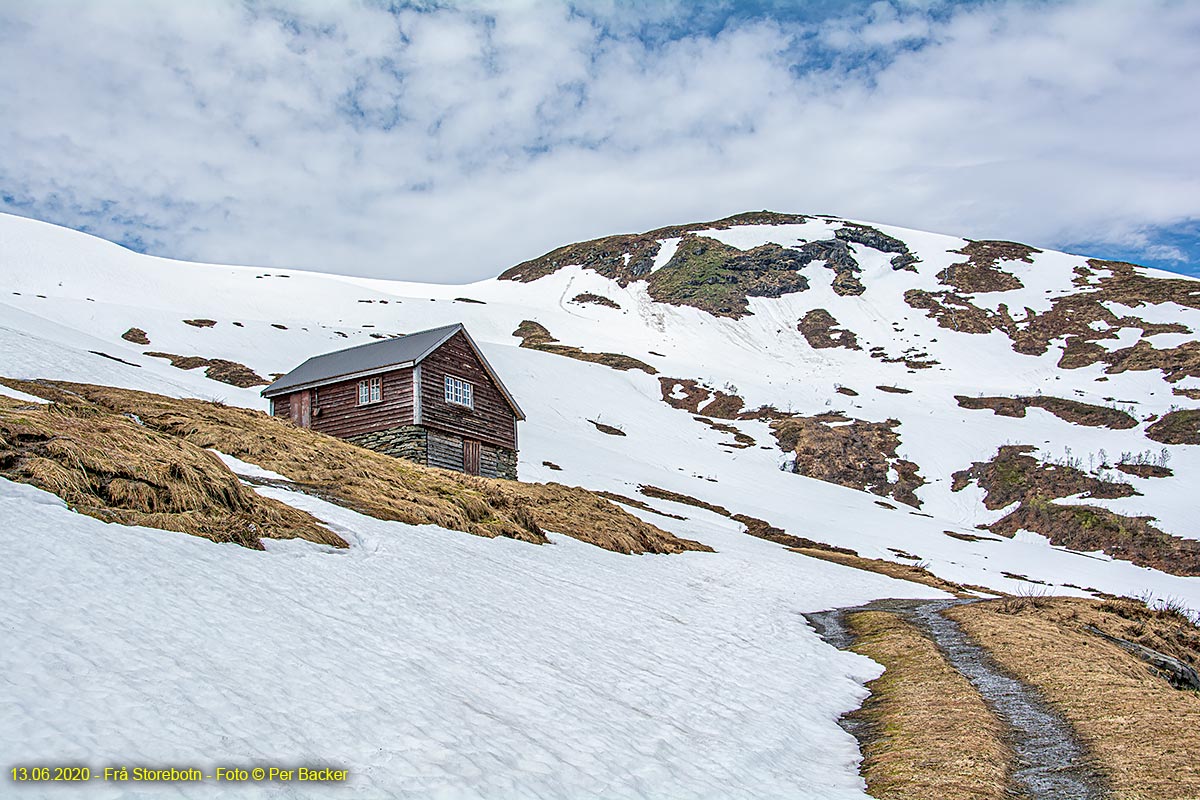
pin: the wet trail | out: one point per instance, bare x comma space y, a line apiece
1051, 763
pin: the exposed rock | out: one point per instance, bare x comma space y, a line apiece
1177, 673
894, 390
718, 278
846, 390
608, 255
850, 452
877, 240
200, 323
136, 335
536, 337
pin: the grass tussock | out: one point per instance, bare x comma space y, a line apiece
1143, 734
107, 466
930, 736
375, 484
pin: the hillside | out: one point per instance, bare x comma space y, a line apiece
1000, 416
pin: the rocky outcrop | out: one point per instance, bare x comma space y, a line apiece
629, 257
718, 278
878, 240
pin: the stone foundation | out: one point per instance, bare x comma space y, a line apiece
437, 449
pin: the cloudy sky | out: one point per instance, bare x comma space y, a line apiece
445, 142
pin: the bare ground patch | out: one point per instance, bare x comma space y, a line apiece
536, 337
1072, 411
699, 399
217, 369
850, 452
136, 335
1177, 427
821, 331
594, 299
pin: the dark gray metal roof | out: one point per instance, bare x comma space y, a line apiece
363, 358
374, 357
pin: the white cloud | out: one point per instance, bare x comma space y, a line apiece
451, 143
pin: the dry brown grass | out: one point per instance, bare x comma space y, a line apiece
930, 735
904, 572
107, 466
1145, 736
375, 484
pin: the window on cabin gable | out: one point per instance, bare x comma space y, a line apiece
459, 392
370, 391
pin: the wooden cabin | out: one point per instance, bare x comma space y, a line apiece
430, 397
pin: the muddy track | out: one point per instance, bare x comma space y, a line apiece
1051, 762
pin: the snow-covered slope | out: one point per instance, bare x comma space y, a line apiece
429, 660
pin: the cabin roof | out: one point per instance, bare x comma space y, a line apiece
382, 356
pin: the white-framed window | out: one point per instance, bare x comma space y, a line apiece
459, 392
370, 391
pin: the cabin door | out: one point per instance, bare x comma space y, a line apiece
471, 456
302, 408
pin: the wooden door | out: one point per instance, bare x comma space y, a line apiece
302, 408
471, 456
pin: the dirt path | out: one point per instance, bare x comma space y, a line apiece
1051, 763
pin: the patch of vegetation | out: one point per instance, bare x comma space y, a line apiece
611, 430
1013, 476
594, 299
1142, 735
217, 369
696, 398
1177, 427
629, 257
536, 337
980, 272
136, 335
850, 452
108, 466
821, 331
1072, 411
1082, 319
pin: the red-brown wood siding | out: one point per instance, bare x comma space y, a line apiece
492, 418
336, 410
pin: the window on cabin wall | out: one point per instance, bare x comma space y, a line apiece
459, 392
370, 391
